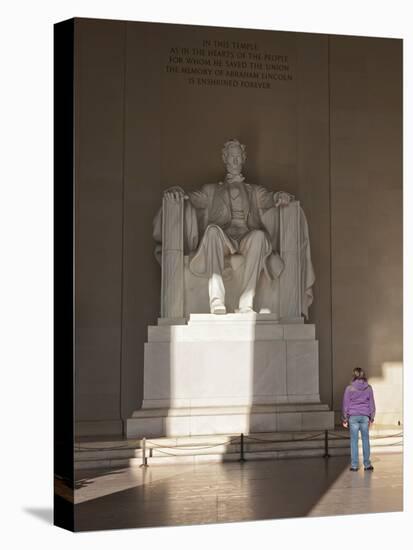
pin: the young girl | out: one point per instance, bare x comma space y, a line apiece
358, 413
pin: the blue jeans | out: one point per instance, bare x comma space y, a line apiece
361, 423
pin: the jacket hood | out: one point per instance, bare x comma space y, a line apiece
360, 384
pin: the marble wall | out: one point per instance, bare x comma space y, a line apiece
366, 216
331, 136
99, 212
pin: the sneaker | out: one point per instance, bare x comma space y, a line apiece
353, 469
369, 468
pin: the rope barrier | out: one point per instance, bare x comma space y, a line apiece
130, 447
123, 448
372, 437
166, 453
240, 440
144, 457
241, 450
193, 447
309, 438
388, 444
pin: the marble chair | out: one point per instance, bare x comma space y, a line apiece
183, 293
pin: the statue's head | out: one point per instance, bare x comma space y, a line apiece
234, 156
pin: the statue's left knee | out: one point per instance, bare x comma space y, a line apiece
257, 235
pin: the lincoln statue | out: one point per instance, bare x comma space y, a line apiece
232, 217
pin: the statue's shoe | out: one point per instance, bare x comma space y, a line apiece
245, 310
218, 309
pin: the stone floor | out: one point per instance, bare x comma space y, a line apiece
227, 492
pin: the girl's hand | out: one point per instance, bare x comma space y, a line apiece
345, 424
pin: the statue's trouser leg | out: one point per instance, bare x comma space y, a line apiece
254, 247
214, 250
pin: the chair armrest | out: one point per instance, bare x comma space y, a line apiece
172, 282
290, 252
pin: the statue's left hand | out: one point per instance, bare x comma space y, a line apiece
281, 198
175, 194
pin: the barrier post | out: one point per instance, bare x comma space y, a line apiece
326, 453
144, 459
242, 457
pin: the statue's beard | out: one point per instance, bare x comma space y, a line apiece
234, 178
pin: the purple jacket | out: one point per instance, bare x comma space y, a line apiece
358, 400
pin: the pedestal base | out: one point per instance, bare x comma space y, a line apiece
234, 373
229, 420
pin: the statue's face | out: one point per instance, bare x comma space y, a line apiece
234, 160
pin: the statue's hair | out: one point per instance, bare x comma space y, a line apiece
231, 143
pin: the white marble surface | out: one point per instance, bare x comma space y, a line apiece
230, 327
235, 363
290, 278
196, 299
302, 367
257, 318
172, 289
388, 393
196, 375
199, 421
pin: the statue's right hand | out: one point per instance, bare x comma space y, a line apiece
174, 194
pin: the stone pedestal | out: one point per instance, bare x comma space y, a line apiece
229, 374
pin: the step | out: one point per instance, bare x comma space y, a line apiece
217, 448
230, 331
